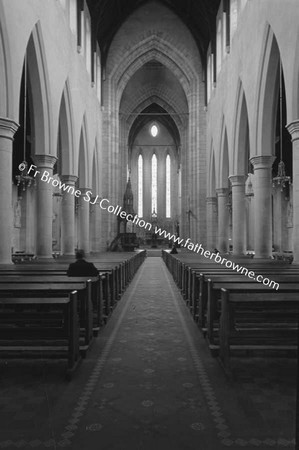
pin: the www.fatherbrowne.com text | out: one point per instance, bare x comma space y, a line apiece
104, 204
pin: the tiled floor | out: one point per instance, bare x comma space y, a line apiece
149, 383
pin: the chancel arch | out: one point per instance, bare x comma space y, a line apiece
152, 149
151, 46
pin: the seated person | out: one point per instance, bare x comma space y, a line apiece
174, 250
82, 268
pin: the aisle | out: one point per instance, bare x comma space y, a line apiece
146, 383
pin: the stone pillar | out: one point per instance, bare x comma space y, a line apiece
223, 220
83, 221
68, 216
263, 205
95, 226
7, 130
293, 129
44, 205
211, 222
238, 212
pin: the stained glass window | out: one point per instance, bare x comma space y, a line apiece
140, 186
168, 175
154, 183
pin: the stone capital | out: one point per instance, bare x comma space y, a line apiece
8, 128
84, 190
237, 180
45, 161
211, 200
293, 129
222, 192
69, 179
262, 161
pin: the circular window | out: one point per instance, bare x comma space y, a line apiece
154, 130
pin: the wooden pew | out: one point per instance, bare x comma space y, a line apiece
250, 321
214, 296
41, 326
96, 290
188, 275
209, 284
40, 289
106, 290
115, 272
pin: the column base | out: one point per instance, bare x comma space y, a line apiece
260, 258
45, 258
6, 262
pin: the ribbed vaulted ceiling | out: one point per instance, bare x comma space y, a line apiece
198, 15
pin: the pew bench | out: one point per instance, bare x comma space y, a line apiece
14, 290
41, 326
195, 288
209, 291
214, 306
102, 289
256, 321
97, 299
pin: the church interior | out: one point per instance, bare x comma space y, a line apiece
161, 138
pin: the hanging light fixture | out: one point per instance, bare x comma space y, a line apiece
281, 179
24, 180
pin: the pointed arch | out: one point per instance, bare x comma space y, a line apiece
6, 97
154, 183
168, 186
241, 134
95, 172
224, 159
212, 174
83, 157
153, 49
140, 185
66, 133
267, 95
294, 107
39, 93
162, 100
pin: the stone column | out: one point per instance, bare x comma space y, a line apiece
83, 221
238, 212
223, 220
7, 130
44, 205
68, 216
211, 222
95, 226
293, 129
263, 205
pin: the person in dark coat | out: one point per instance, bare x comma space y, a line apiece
82, 268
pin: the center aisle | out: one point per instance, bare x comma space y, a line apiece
148, 389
